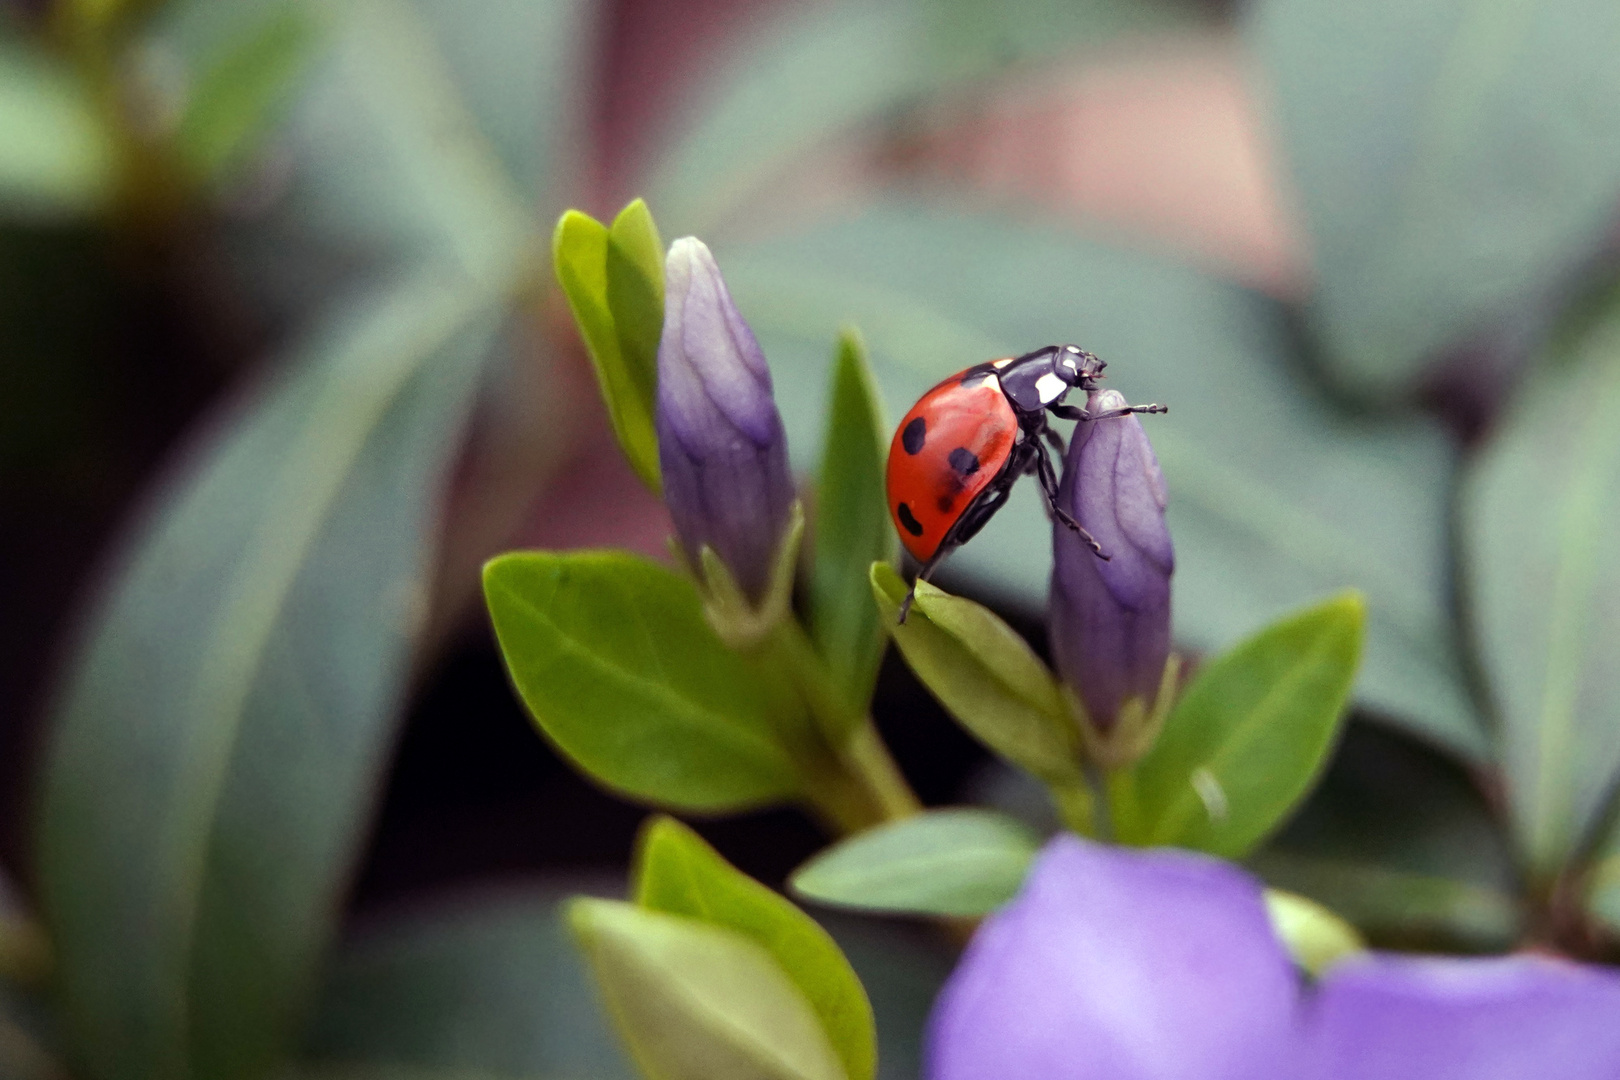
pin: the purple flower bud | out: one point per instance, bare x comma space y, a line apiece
1110, 619
720, 440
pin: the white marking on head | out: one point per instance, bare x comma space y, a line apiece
1072, 349
1003, 362
1050, 387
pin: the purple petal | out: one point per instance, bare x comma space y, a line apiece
1115, 964
1511, 1018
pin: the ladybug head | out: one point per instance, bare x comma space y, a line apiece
1077, 367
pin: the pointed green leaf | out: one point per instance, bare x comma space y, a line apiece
695, 1001
1248, 738
1541, 511
852, 528
984, 674
616, 664
237, 96
598, 269
677, 873
959, 861
1315, 937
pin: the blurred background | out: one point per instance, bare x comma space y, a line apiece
282, 361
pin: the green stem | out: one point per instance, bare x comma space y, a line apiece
1097, 786
861, 763
1076, 807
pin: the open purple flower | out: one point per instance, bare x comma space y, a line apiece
1110, 619
1161, 965
720, 440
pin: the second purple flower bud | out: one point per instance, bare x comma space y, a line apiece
1109, 619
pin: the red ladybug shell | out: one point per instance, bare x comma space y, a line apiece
947, 450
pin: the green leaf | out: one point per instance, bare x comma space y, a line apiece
1540, 508
1248, 737
1315, 937
984, 674
240, 92
1276, 498
58, 157
598, 268
1436, 190
960, 862
699, 1002
252, 656
485, 984
616, 664
677, 873
852, 529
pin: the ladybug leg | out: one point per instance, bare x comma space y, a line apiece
1074, 412
1049, 485
922, 575
1054, 438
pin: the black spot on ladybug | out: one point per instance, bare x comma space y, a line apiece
964, 461
914, 436
903, 512
945, 503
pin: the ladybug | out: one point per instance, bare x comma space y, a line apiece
958, 452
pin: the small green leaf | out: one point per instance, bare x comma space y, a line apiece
612, 656
984, 674
59, 157
1248, 737
1540, 507
679, 874
695, 1001
614, 282
945, 862
1315, 937
852, 526
238, 94
635, 293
